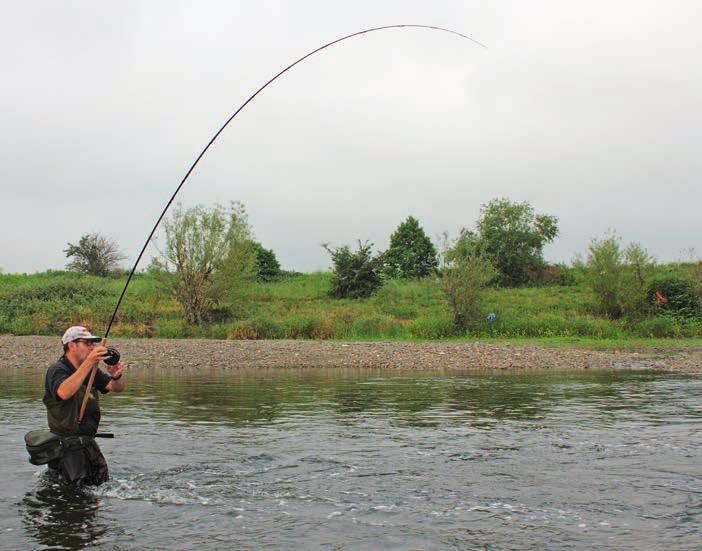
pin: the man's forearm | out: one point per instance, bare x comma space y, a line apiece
71, 385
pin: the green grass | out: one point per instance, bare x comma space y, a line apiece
299, 308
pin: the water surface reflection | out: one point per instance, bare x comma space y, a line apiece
60, 517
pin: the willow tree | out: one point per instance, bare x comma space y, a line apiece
209, 255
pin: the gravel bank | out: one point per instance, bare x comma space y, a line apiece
38, 352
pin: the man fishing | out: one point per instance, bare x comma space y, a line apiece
64, 390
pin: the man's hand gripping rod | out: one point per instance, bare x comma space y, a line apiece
86, 396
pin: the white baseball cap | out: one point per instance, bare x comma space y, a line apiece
78, 332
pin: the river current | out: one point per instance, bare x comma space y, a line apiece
322, 459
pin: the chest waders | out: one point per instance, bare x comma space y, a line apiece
77, 457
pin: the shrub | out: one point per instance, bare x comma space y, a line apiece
679, 293
355, 274
464, 281
619, 277
604, 269
639, 270
267, 265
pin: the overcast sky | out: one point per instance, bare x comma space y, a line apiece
588, 110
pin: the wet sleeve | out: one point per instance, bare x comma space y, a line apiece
55, 377
101, 380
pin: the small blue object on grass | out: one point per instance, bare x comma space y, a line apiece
491, 317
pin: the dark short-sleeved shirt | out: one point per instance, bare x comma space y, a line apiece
63, 414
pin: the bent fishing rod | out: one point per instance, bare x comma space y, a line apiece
216, 135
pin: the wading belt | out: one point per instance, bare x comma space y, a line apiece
45, 446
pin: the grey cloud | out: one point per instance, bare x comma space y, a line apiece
588, 111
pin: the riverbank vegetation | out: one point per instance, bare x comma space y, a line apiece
214, 280
299, 306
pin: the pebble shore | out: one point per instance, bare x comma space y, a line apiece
39, 352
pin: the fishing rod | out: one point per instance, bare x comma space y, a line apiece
216, 135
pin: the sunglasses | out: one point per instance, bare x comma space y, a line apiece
86, 342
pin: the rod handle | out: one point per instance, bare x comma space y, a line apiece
86, 396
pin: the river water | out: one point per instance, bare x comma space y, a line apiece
370, 460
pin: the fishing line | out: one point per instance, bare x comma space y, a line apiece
202, 153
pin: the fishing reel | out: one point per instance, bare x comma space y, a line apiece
112, 356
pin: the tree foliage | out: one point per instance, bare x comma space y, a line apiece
466, 274
411, 253
619, 277
267, 265
639, 270
94, 254
604, 268
355, 274
513, 236
209, 253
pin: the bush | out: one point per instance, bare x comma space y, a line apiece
619, 277
267, 265
464, 282
679, 293
604, 269
355, 274
638, 272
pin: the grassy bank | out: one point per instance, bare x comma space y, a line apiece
298, 307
